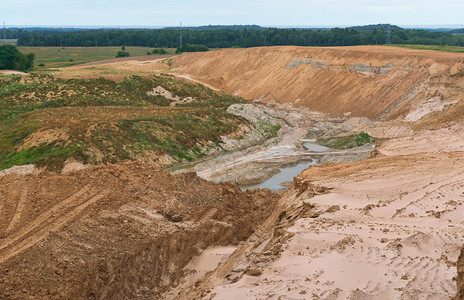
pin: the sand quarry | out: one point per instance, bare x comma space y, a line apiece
385, 226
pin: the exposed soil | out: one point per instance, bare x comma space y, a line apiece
11, 72
361, 81
388, 227
118, 231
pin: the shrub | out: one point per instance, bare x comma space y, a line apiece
192, 48
159, 51
350, 141
122, 54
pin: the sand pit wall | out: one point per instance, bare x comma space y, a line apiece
362, 81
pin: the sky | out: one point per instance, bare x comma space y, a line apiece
154, 13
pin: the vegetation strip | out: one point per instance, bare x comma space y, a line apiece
45, 120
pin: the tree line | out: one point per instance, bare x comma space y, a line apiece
226, 37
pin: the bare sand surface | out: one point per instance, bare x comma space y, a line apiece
389, 229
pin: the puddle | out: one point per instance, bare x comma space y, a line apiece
315, 148
285, 175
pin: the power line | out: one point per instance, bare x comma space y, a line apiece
4, 33
180, 35
388, 42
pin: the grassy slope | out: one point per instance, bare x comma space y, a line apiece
45, 120
444, 48
53, 57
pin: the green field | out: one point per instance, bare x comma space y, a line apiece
8, 41
54, 57
444, 48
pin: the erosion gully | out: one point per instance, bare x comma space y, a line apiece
273, 163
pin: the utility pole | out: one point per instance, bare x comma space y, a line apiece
388, 35
180, 35
4, 33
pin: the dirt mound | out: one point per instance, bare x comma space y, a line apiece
117, 231
361, 81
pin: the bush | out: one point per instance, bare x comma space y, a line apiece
123, 48
192, 48
159, 51
346, 142
122, 54
12, 59
42, 65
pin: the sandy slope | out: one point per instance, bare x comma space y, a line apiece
389, 229
362, 81
385, 228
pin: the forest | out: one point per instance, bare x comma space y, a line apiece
232, 36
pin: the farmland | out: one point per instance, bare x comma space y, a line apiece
55, 57
445, 48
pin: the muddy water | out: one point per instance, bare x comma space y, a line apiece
277, 181
285, 175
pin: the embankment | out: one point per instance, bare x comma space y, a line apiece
369, 81
115, 232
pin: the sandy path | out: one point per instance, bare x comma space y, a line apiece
396, 236
126, 59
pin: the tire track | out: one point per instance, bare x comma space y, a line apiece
54, 225
63, 210
20, 205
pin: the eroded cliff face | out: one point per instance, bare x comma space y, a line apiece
460, 276
115, 232
369, 81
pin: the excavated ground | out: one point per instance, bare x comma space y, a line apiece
115, 232
389, 227
364, 81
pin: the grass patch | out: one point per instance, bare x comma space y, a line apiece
444, 48
50, 156
346, 142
